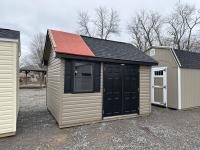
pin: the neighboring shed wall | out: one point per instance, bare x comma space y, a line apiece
165, 58
190, 88
80, 108
54, 86
8, 87
145, 96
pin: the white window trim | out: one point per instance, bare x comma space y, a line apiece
179, 88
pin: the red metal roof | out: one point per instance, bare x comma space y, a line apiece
69, 43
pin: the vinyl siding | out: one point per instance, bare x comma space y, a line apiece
190, 85
54, 86
80, 108
165, 58
8, 87
145, 96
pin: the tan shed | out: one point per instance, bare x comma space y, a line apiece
176, 80
9, 64
93, 80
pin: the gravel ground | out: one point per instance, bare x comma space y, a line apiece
163, 129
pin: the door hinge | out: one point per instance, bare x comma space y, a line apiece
104, 90
138, 89
102, 111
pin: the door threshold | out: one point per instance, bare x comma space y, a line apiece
120, 116
160, 105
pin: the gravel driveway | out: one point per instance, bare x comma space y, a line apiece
164, 129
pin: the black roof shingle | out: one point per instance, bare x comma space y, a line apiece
188, 59
9, 34
117, 50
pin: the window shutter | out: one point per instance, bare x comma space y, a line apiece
68, 75
97, 77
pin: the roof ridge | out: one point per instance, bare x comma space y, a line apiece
105, 39
90, 36
63, 32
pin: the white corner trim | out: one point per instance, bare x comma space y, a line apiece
176, 58
151, 86
179, 88
51, 38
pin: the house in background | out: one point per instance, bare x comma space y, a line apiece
9, 67
176, 80
91, 80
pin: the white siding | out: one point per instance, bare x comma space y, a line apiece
53, 86
80, 108
145, 96
8, 87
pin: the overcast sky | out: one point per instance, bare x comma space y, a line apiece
33, 16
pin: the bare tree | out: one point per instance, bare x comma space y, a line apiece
103, 25
145, 29
37, 49
83, 22
183, 20
177, 28
135, 33
192, 19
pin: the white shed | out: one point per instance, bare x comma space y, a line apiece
9, 64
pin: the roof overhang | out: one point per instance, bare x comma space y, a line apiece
9, 40
99, 59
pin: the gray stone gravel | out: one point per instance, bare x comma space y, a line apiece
163, 129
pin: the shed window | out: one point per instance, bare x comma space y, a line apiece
83, 77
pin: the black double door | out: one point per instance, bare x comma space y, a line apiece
121, 83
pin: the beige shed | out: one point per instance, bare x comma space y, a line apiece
9, 64
93, 80
176, 80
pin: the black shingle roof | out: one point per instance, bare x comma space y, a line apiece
9, 34
188, 59
116, 50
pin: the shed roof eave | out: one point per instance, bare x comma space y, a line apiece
69, 56
9, 40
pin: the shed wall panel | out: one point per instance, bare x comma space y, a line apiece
8, 86
145, 96
82, 107
165, 58
190, 88
53, 86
